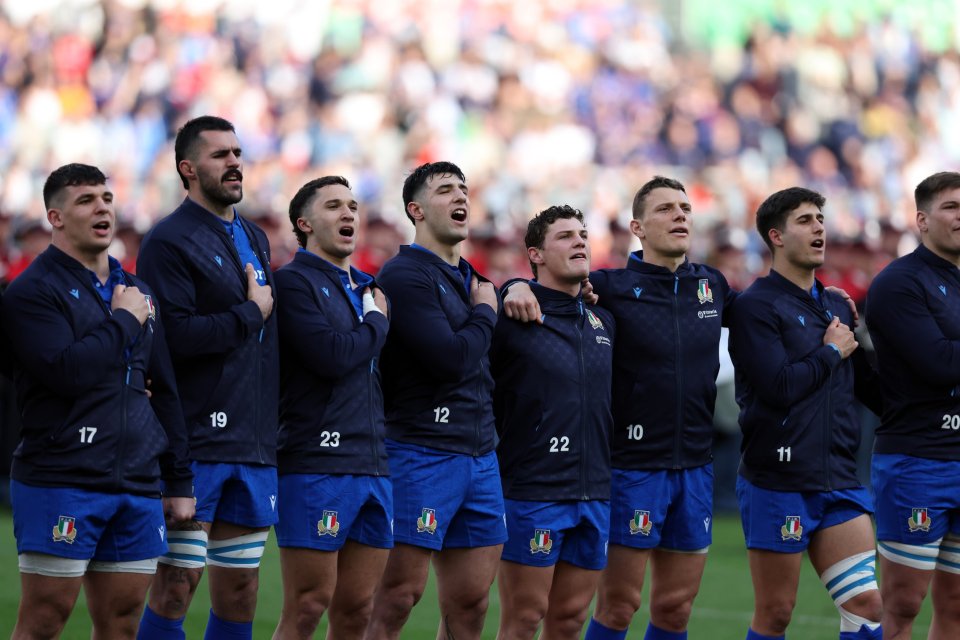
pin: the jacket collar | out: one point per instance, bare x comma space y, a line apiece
781, 282
933, 259
555, 302
636, 263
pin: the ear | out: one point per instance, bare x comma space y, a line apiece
304, 225
922, 222
776, 237
187, 170
55, 218
534, 255
415, 211
636, 228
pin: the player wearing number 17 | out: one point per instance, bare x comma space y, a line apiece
86, 481
797, 372
913, 313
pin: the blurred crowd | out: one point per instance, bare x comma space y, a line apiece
547, 102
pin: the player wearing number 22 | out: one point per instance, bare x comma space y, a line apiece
797, 372
552, 406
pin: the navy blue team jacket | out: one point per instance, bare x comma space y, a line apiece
331, 406
552, 400
666, 359
80, 372
436, 365
224, 355
796, 395
913, 313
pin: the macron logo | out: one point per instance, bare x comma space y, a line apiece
273, 502
326, 291
943, 289
637, 291
160, 531
803, 321
441, 287
706, 523
75, 293
218, 260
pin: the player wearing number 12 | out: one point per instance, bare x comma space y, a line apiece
335, 505
797, 372
552, 405
913, 313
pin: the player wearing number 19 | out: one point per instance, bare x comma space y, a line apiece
86, 338
913, 312
335, 505
797, 372
552, 405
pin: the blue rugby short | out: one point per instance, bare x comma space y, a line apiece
445, 500
918, 500
542, 533
241, 494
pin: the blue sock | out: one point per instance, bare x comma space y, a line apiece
656, 633
596, 631
863, 633
156, 627
753, 635
218, 629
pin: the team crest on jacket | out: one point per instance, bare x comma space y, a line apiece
151, 307
427, 522
919, 520
65, 530
541, 542
594, 320
640, 523
704, 294
329, 525
792, 530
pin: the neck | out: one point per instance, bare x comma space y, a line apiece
672, 263
224, 212
953, 258
97, 261
342, 263
803, 277
448, 253
547, 280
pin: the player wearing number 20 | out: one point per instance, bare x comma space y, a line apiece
552, 406
913, 312
797, 372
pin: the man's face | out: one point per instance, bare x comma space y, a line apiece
216, 161
665, 227
804, 238
940, 226
332, 219
443, 207
84, 214
565, 255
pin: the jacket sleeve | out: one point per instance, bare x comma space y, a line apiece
175, 461
320, 347
756, 346
866, 383
897, 309
420, 322
189, 332
44, 344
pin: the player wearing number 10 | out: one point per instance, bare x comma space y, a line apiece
913, 313
797, 372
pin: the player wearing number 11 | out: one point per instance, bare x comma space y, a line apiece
797, 372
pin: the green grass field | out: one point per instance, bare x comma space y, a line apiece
722, 610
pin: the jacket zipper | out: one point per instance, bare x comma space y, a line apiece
373, 422
583, 403
678, 430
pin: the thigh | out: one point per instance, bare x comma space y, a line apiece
115, 596
465, 575
480, 521
832, 544
639, 501
308, 570
523, 588
675, 576
359, 568
775, 577
622, 578
688, 524
571, 591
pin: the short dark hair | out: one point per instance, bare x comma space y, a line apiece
70, 175
537, 227
419, 176
932, 186
305, 196
190, 132
773, 213
657, 182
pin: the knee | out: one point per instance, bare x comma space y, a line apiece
672, 613
352, 617
523, 623
867, 605
777, 614
239, 591
45, 621
904, 603
466, 603
173, 588
310, 608
566, 621
617, 609
397, 600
